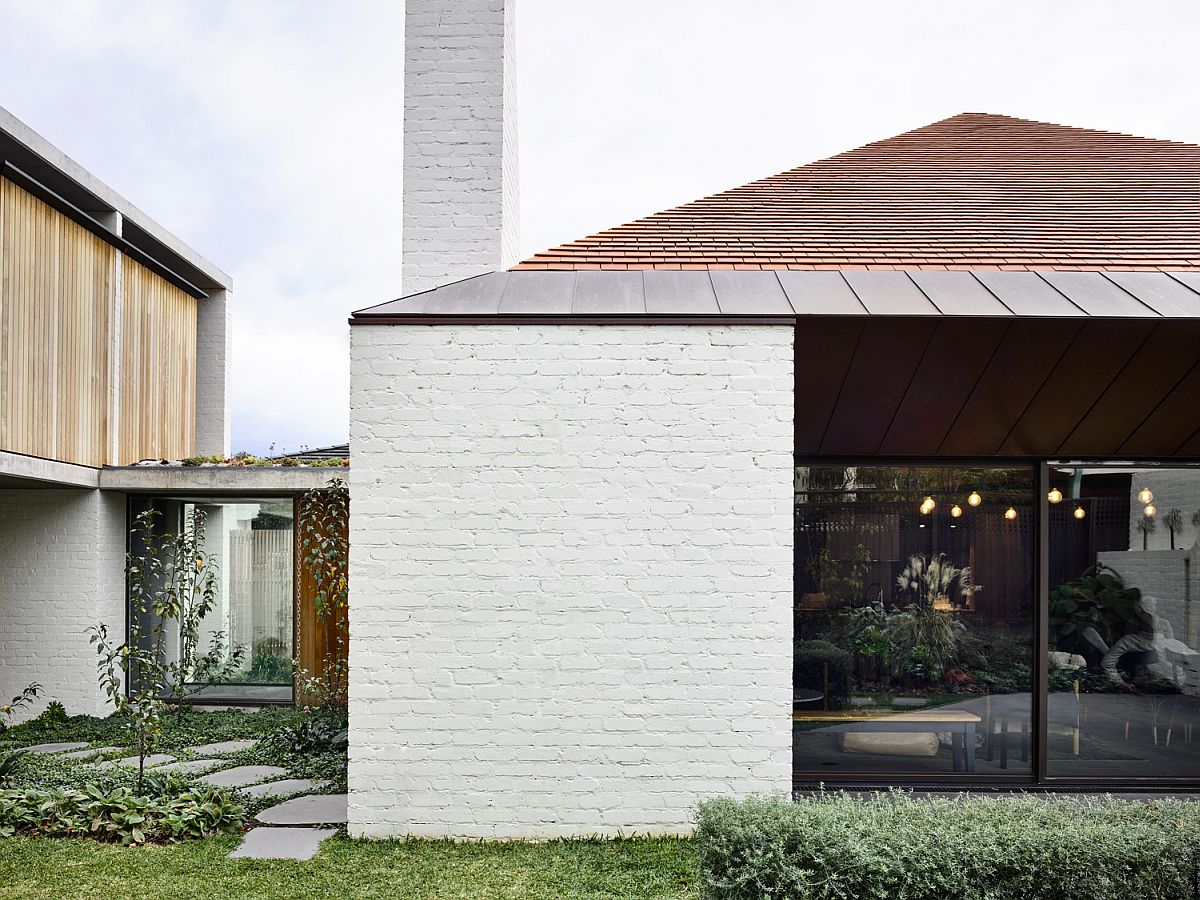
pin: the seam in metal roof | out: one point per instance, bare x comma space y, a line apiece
780, 296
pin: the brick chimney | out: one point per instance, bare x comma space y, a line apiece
460, 207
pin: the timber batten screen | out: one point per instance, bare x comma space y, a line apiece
158, 368
57, 290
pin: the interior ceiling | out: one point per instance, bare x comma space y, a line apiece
1058, 388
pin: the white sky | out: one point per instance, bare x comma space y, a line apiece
266, 134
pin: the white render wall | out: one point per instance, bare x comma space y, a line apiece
571, 576
460, 206
62, 558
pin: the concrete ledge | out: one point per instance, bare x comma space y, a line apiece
18, 470
216, 479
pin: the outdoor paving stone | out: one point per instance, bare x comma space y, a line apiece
909, 701
222, 747
282, 843
155, 759
240, 776
315, 809
195, 765
281, 788
55, 748
862, 701
91, 751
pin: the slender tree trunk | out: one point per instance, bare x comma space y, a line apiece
141, 757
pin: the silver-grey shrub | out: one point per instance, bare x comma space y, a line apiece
895, 847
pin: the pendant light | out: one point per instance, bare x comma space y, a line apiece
1079, 513
956, 510
974, 499
1055, 495
1010, 513
1145, 496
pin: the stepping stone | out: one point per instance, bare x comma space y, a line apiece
315, 809
282, 788
862, 701
240, 776
92, 751
909, 701
282, 843
222, 747
155, 759
196, 765
55, 748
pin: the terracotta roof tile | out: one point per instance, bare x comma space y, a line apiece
971, 191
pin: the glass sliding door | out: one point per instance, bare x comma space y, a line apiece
914, 621
1124, 625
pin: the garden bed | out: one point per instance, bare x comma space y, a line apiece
61, 795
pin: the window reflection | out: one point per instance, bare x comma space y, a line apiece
913, 620
1124, 672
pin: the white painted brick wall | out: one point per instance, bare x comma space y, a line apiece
61, 571
214, 339
460, 205
1172, 489
571, 576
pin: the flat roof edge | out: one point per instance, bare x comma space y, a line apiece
53, 165
217, 479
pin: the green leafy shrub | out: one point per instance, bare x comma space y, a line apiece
1095, 603
120, 814
810, 662
893, 846
320, 734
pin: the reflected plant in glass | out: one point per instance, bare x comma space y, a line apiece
1173, 520
932, 581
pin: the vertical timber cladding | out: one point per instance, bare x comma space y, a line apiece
57, 284
158, 368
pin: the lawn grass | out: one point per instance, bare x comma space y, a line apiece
639, 869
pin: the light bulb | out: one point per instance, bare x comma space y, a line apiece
927, 506
1055, 495
1145, 496
1150, 509
974, 499
956, 510
1079, 513
1010, 514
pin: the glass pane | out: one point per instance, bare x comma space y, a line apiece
1123, 668
913, 621
242, 645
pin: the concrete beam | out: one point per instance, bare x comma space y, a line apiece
258, 480
19, 470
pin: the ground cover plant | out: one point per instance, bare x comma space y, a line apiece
970, 848
303, 743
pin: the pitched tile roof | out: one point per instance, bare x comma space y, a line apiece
973, 191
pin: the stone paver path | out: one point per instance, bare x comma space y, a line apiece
240, 776
191, 767
55, 748
222, 747
314, 809
282, 843
91, 751
155, 759
282, 788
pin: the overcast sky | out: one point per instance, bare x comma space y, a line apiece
266, 134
